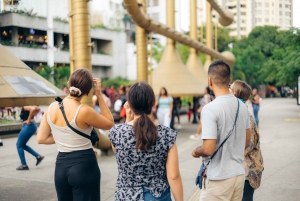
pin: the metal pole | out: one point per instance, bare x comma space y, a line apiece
81, 38
50, 39
81, 42
170, 18
71, 58
141, 46
193, 23
208, 34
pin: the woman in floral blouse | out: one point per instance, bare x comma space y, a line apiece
146, 153
253, 158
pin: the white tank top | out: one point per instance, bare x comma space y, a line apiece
66, 139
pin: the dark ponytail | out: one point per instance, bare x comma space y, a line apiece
141, 98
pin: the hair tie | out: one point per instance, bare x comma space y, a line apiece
76, 90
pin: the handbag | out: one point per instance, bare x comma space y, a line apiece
202, 172
94, 136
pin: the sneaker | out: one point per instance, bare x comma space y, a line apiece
194, 137
39, 160
179, 126
23, 167
1, 143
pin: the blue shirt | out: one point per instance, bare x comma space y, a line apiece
164, 102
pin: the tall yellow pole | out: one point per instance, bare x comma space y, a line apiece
209, 42
80, 49
193, 23
141, 45
170, 18
80, 38
72, 69
193, 63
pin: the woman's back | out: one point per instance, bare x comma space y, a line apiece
66, 139
140, 169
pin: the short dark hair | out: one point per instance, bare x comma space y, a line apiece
241, 90
81, 79
220, 72
141, 99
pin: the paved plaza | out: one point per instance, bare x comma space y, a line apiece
280, 144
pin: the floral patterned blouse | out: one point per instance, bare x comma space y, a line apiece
139, 169
253, 158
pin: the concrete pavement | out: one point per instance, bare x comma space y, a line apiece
280, 143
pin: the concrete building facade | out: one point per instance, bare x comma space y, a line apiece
251, 13
26, 36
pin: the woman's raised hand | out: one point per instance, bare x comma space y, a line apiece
97, 86
129, 113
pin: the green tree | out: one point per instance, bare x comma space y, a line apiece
61, 74
157, 50
115, 82
268, 55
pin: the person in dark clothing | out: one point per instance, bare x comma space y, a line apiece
28, 129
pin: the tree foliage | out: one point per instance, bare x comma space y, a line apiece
268, 56
115, 82
60, 76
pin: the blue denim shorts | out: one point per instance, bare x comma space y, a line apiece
166, 196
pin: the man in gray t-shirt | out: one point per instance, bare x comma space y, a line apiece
225, 173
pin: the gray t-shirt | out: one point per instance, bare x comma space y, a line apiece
217, 119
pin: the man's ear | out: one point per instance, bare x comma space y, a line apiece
210, 82
230, 80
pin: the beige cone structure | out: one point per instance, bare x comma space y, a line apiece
20, 85
171, 72
80, 50
193, 63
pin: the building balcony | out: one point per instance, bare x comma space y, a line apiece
40, 56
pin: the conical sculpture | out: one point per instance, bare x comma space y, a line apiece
193, 63
171, 72
20, 85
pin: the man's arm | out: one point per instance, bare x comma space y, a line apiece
207, 149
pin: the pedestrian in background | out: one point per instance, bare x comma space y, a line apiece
255, 105
165, 107
203, 101
224, 118
77, 175
123, 98
28, 129
146, 153
253, 158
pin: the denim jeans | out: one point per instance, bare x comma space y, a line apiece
25, 134
166, 196
255, 112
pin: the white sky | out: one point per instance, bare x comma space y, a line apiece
296, 13
185, 19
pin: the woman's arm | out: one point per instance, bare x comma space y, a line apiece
104, 120
33, 110
44, 135
171, 107
173, 173
94, 101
